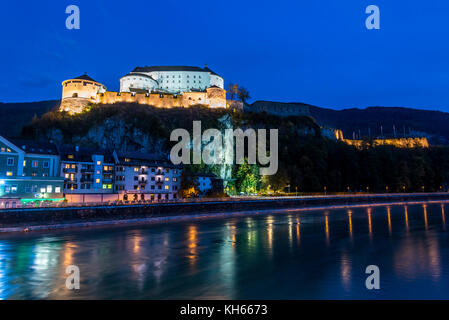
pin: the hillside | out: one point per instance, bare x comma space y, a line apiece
432, 124
13, 116
306, 159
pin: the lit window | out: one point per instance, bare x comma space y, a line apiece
57, 189
13, 189
136, 169
167, 179
109, 186
34, 164
24, 163
9, 173
43, 190
70, 156
98, 163
105, 186
175, 179
49, 189
97, 180
166, 187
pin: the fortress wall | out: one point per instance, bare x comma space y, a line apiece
397, 142
213, 97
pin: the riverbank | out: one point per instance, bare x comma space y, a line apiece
35, 219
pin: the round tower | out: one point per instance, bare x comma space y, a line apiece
79, 92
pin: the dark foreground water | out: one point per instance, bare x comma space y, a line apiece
313, 255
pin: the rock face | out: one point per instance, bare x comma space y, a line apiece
74, 105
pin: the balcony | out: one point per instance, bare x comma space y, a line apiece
143, 181
159, 181
69, 170
87, 179
87, 170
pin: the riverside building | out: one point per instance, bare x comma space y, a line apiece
28, 172
142, 176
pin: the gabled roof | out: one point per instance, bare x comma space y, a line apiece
37, 147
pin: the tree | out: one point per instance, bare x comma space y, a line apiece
248, 179
243, 94
233, 90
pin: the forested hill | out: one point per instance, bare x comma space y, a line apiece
432, 124
13, 116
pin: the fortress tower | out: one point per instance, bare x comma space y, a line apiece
79, 92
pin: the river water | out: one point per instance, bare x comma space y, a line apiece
296, 255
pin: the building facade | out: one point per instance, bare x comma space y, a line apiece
86, 170
141, 176
170, 79
28, 172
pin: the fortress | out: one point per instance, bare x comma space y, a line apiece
158, 86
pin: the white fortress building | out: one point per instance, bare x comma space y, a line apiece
158, 86
170, 79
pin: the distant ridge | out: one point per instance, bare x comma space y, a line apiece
432, 124
13, 116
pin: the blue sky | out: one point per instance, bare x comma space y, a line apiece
318, 52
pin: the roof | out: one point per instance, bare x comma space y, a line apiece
132, 73
85, 77
173, 68
84, 154
37, 147
144, 159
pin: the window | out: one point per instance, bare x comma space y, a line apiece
70, 156
10, 161
46, 164
34, 164
97, 180
57, 189
105, 186
34, 189
136, 169
49, 189
166, 187
175, 179
98, 163
24, 163
109, 186
13, 189
167, 179
43, 190
9, 173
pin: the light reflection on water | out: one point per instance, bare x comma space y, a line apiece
296, 255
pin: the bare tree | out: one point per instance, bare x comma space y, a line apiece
243, 94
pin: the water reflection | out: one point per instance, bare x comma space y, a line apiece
350, 223
240, 258
389, 219
443, 217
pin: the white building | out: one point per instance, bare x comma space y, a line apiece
170, 79
142, 176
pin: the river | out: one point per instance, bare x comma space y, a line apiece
296, 255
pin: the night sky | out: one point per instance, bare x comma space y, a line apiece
318, 52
